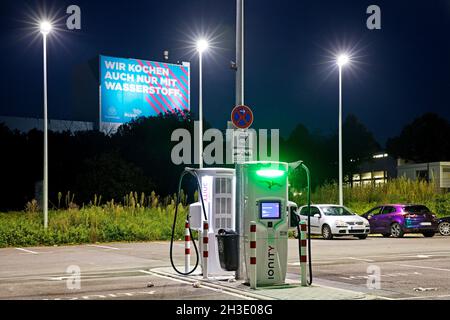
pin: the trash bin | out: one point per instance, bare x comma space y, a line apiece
228, 245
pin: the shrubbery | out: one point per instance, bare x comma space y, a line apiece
362, 198
143, 219
150, 218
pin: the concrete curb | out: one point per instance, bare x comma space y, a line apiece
320, 292
209, 284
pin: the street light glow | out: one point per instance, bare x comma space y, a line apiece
202, 45
45, 27
342, 60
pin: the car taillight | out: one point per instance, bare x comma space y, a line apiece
410, 215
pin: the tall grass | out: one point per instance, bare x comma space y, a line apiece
140, 218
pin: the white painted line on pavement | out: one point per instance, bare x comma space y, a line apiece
345, 258
425, 297
202, 286
422, 267
398, 255
389, 275
104, 296
58, 278
27, 251
103, 247
360, 259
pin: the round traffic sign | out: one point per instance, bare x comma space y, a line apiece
242, 117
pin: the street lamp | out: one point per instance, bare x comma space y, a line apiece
202, 46
341, 61
45, 28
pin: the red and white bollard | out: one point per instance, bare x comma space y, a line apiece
253, 269
187, 248
205, 249
303, 254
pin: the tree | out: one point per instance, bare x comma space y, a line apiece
146, 142
314, 149
358, 143
15, 170
109, 176
426, 139
320, 152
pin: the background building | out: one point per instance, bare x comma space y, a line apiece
375, 170
437, 172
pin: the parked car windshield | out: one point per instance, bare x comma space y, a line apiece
416, 209
336, 211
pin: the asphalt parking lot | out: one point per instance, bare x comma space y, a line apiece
410, 268
413, 267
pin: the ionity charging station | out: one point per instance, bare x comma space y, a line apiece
265, 189
242, 219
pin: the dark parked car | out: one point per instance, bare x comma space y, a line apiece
444, 226
397, 219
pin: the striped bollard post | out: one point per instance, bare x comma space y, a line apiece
205, 249
187, 248
253, 269
303, 254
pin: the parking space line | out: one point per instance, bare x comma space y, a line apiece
398, 255
27, 251
360, 259
422, 267
341, 258
103, 247
425, 297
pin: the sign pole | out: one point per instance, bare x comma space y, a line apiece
239, 101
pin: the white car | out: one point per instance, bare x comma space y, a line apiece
331, 220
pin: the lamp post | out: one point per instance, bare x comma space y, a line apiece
341, 61
202, 46
45, 28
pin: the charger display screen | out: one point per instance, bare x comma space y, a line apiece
270, 210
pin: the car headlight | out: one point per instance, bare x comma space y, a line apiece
340, 223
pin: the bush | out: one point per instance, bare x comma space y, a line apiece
362, 198
90, 224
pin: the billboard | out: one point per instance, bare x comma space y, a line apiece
131, 88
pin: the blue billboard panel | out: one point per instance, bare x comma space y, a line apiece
131, 88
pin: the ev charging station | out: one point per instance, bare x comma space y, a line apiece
218, 189
265, 190
259, 222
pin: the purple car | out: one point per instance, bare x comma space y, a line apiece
397, 219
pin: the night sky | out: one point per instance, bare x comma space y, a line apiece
397, 74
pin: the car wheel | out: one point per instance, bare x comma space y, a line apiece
386, 235
326, 232
362, 236
444, 228
396, 230
428, 234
